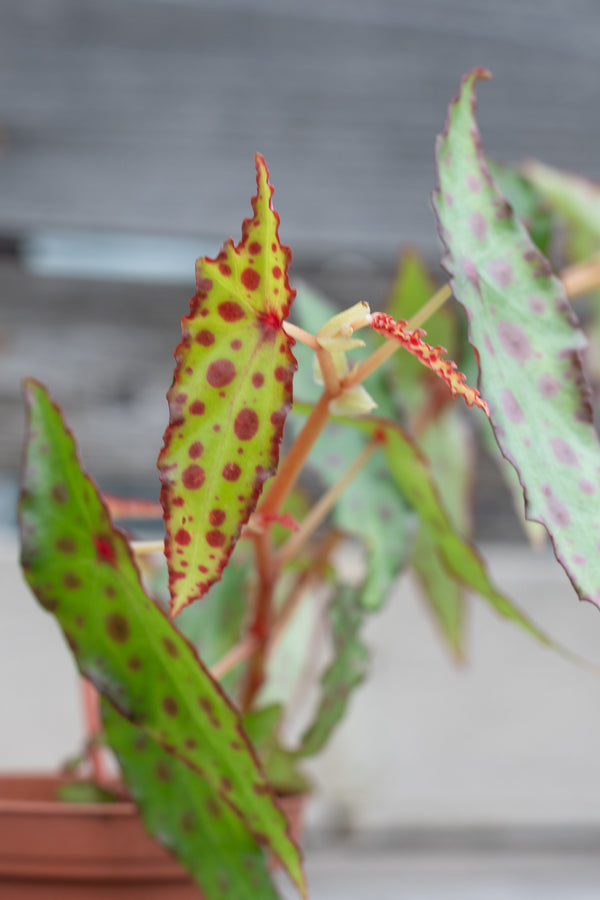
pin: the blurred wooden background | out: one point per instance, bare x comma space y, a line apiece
141, 119
145, 115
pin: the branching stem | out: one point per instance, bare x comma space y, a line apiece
323, 507
581, 277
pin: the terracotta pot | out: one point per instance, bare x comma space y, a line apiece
86, 851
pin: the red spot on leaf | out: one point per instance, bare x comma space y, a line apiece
515, 341
224, 269
71, 581
230, 311
512, 407
254, 248
197, 408
236, 345
276, 272
250, 279
215, 538
105, 550
220, 373
66, 545
183, 537
281, 373
205, 338
193, 477
204, 284
196, 450
563, 451
246, 424
216, 517
60, 493
178, 501
258, 379
231, 471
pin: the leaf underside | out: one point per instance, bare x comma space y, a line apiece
81, 569
529, 347
229, 400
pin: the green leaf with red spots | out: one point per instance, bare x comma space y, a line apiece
184, 814
81, 569
228, 403
529, 347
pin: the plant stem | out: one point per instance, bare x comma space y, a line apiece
292, 465
93, 727
303, 581
322, 508
260, 628
299, 334
581, 277
233, 657
433, 304
146, 548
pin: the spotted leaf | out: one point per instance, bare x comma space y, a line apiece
429, 356
529, 345
81, 569
181, 811
230, 396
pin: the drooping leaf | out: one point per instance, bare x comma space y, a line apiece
346, 671
431, 357
442, 435
447, 445
81, 569
410, 470
230, 396
182, 811
529, 347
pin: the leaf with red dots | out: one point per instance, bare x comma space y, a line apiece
432, 357
81, 569
230, 396
529, 346
182, 812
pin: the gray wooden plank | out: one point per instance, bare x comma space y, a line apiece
146, 115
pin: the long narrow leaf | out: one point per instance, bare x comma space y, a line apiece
81, 569
529, 347
230, 396
181, 811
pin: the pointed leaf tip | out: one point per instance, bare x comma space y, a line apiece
529, 347
229, 399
